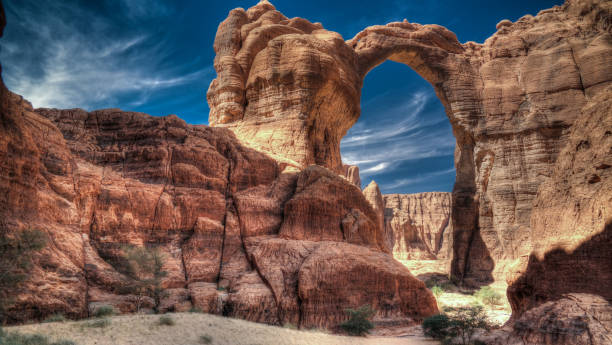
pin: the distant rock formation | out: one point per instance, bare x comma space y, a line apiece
421, 225
351, 172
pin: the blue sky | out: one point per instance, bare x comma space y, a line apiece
156, 57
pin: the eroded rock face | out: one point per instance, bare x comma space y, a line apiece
228, 220
512, 102
571, 223
351, 172
242, 234
421, 225
529, 109
575, 319
287, 86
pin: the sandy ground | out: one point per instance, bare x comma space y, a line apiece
437, 270
190, 327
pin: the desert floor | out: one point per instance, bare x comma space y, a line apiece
190, 328
436, 272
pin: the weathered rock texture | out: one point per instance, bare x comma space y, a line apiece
224, 216
291, 88
242, 234
571, 224
421, 225
351, 172
575, 319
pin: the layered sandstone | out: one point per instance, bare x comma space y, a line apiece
233, 224
421, 225
571, 223
241, 233
574, 319
512, 102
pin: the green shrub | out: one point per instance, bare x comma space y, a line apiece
206, 339
437, 291
488, 296
289, 325
105, 310
195, 309
459, 322
145, 268
437, 326
15, 338
17, 250
99, 323
464, 321
166, 320
358, 323
55, 318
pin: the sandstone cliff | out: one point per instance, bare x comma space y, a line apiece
421, 225
291, 88
242, 234
528, 108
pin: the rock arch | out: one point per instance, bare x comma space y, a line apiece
290, 88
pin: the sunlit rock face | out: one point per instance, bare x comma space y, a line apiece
512, 102
242, 234
420, 224
287, 87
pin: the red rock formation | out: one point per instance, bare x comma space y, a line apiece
520, 106
571, 223
235, 226
511, 101
217, 211
421, 225
287, 85
529, 109
375, 198
575, 319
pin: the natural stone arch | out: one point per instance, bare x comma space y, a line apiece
292, 89
511, 101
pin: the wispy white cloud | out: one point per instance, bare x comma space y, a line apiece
417, 179
400, 133
94, 67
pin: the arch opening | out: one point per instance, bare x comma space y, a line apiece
403, 139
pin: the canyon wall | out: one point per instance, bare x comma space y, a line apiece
241, 234
421, 225
511, 101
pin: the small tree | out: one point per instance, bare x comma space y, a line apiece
358, 323
145, 268
459, 322
464, 321
488, 296
437, 326
16, 253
